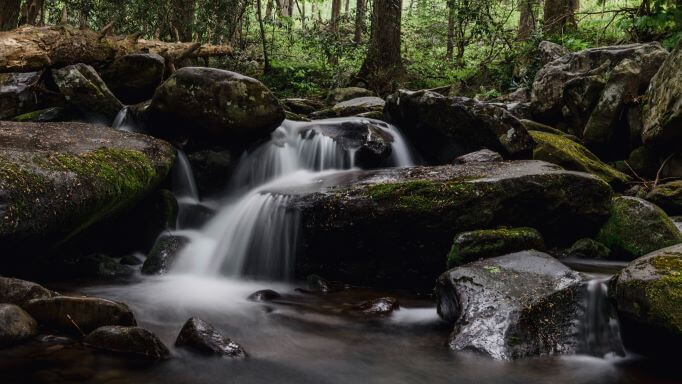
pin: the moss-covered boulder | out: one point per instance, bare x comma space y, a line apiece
573, 156
668, 196
648, 296
394, 227
57, 179
637, 227
474, 245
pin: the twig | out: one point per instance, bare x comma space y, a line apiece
75, 325
105, 30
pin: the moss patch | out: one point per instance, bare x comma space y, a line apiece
470, 246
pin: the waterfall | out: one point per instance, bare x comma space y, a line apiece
185, 189
122, 120
254, 234
601, 333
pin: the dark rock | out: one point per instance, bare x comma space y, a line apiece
19, 292
319, 284
589, 249
130, 260
338, 95
474, 245
378, 307
212, 169
535, 126
18, 94
85, 91
15, 325
667, 196
45, 115
134, 342
134, 78
194, 216
162, 256
351, 107
214, 106
295, 117
480, 156
302, 106
264, 295
643, 162
376, 115
551, 51
442, 128
100, 266
89, 313
203, 337
519, 305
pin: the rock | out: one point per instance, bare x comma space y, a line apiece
643, 162
302, 106
648, 296
589, 249
573, 156
15, 325
130, 260
203, 337
212, 169
376, 115
45, 115
134, 78
319, 284
368, 102
134, 342
551, 51
264, 295
351, 107
19, 292
162, 256
98, 266
637, 227
213, 106
480, 156
513, 306
18, 94
356, 231
378, 307
442, 128
535, 126
338, 95
521, 95
474, 245
662, 110
295, 117
668, 196
194, 216
88, 313
85, 91
57, 179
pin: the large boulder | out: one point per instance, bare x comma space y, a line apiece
648, 297
351, 107
473, 245
134, 78
662, 112
668, 196
302, 106
513, 306
202, 337
212, 169
65, 313
550, 51
57, 179
19, 292
213, 106
15, 325
18, 94
637, 227
443, 128
394, 227
87, 92
133, 342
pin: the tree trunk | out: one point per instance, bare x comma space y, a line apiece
268, 10
383, 68
183, 18
32, 12
527, 19
360, 9
32, 48
451, 30
346, 8
560, 15
336, 10
266, 61
9, 14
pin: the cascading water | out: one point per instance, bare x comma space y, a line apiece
601, 333
254, 234
122, 120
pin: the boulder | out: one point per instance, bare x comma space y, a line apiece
134, 342
648, 296
101, 267
264, 295
19, 292
57, 179
15, 325
668, 196
338, 95
18, 94
134, 78
302, 106
643, 161
163, 254
442, 128
393, 227
535, 126
550, 51
202, 337
378, 307
88, 313
589, 249
518, 305
473, 245
573, 156
131, 260
480, 156
213, 106
662, 111
351, 107
637, 227
212, 169
85, 91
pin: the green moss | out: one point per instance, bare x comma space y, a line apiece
664, 295
22, 186
470, 246
424, 195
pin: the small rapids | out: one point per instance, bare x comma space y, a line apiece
601, 333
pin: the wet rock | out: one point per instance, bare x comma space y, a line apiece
130, 260
480, 156
302, 106
442, 128
194, 216
214, 106
319, 284
589, 249
356, 231
378, 307
89, 313
648, 297
15, 325
376, 115
134, 78
85, 91
551, 51
134, 342
573, 156
351, 107
204, 338
295, 117
19, 292
58, 179
643, 162
662, 111
264, 295
18, 94
668, 196
518, 305
162, 256
338, 95
212, 169
474, 245
637, 227
45, 115
100, 266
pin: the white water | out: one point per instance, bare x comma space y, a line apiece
122, 120
600, 327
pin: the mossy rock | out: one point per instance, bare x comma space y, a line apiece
668, 196
573, 156
474, 245
637, 227
590, 249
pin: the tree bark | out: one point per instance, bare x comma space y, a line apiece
360, 11
451, 30
560, 15
527, 19
346, 7
183, 18
31, 48
9, 14
266, 61
336, 11
268, 10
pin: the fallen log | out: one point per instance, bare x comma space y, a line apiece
32, 48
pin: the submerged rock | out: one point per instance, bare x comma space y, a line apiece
134, 342
204, 338
19, 292
480, 156
519, 305
15, 325
474, 245
163, 254
88, 313
442, 128
637, 227
134, 78
667, 196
